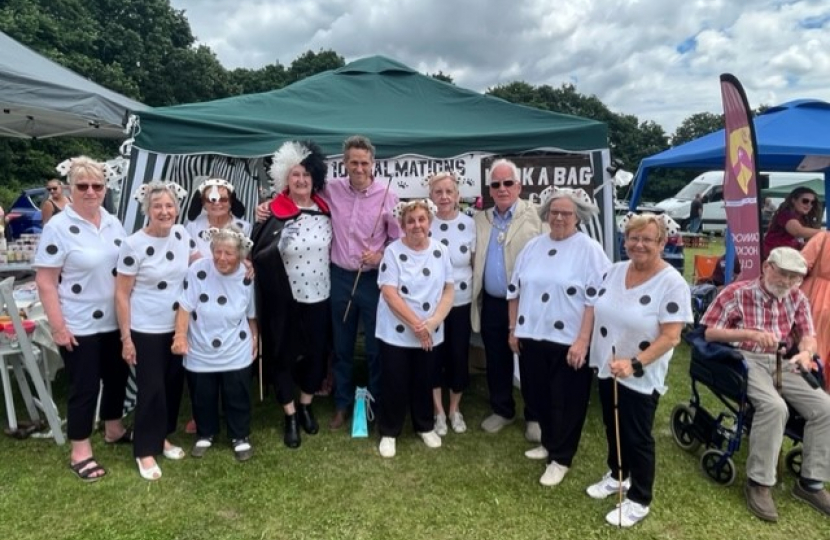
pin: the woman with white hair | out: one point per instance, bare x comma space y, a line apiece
220, 342
291, 257
550, 310
75, 263
214, 206
152, 266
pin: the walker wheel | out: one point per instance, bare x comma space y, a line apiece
793, 459
682, 418
719, 468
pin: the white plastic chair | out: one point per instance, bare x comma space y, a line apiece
25, 359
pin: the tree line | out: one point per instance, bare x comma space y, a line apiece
145, 49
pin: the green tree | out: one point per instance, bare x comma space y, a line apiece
696, 126
310, 63
441, 76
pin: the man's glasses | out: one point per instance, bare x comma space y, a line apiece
53, 188
505, 183
808, 201
97, 188
792, 277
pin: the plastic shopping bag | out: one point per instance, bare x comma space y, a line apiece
363, 413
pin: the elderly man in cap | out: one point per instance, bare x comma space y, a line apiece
757, 315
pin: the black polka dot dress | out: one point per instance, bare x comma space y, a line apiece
419, 277
87, 258
555, 280
629, 321
159, 266
219, 336
459, 237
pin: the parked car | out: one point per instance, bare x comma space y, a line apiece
24, 215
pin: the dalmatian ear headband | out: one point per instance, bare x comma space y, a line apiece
577, 194
64, 166
397, 211
245, 242
144, 189
214, 184
672, 228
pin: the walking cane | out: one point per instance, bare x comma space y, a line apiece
619, 449
360, 268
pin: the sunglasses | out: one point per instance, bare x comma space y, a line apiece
220, 200
52, 188
807, 200
97, 188
505, 183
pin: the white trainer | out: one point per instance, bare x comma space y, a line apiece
431, 439
387, 447
554, 473
495, 423
441, 424
628, 514
539, 452
607, 486
457, 422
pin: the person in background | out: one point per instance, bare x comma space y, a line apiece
767, 210
457, 232
220, 342
415, 281
291, 256
214, 206
797, 220
75, 264
641, 308
501, 233
152, 266
55, 202
550, 306
758, 315
695, 214
817, 288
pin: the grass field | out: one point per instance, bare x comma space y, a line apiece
477, 486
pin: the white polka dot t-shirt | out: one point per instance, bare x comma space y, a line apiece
307, 257
218, 336
159, 266
459, 236
555, 280
198, 230
628, 320
419, 277
87, 258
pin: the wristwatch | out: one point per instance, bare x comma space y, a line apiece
637, 366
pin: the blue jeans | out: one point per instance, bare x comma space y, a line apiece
365, 305
694, 225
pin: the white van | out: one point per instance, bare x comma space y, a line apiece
710, 186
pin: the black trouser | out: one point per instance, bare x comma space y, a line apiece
636, 413
96, 359
159, 378
405, 380
452, 367
235, 388
499, 359
558, 393
313, 324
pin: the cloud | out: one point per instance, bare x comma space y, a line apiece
656, 59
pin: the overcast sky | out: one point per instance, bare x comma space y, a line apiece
657, 59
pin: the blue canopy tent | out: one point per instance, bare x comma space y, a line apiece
786, 134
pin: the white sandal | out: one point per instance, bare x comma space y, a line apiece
150, 473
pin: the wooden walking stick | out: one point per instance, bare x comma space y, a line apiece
360, 268
619, 448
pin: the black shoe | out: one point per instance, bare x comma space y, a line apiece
307, 419
292, 431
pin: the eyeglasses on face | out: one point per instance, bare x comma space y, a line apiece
792, 277
97, 188
564, 214
645, 240
49, 188
505, 183
807, 200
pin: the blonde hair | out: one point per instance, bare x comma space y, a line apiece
84, 167
411, 206
640, 221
